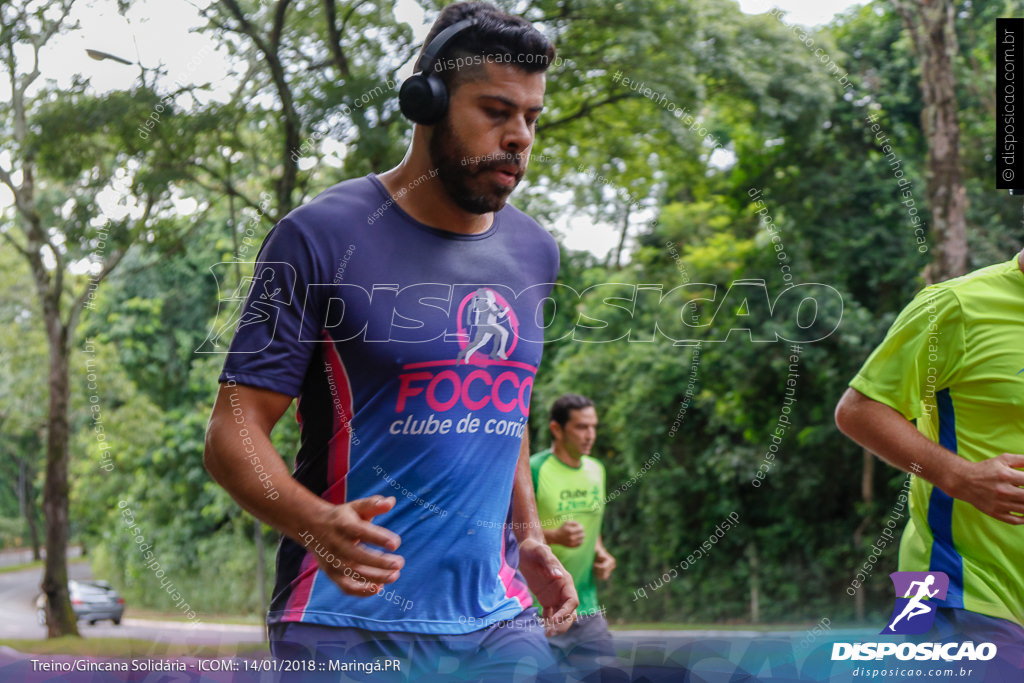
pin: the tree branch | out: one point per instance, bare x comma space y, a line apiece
108, 266
7, 180
292, 125
226, 185
585, 108
21, 250
334, 37
279, 14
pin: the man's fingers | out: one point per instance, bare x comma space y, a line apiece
1013, 459
1011, 476
368, 508
553, 571
367, 532
359, 554
361, 573
1009, 518
562, 619
1007, 493
357, 579
358, 588
348, 532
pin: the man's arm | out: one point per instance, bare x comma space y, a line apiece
570, 534
992, 486
238, 439
604, 561
543, 572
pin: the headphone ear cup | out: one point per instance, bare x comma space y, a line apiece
423, 99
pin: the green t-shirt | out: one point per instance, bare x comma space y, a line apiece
954, 361
565, 493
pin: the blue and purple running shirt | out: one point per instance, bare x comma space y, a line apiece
412, 352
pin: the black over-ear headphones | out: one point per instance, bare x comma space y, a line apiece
423, 97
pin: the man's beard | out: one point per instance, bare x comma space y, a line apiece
467, 180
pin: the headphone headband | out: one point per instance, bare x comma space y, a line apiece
438, 44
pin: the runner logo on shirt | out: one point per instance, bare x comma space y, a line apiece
485, 317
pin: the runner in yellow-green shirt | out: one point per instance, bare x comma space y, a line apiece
570, 488
954, 362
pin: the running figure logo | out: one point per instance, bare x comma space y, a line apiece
912, 615
488, 318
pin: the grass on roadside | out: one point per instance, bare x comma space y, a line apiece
21, 567
671, 626
155, 615
38, 564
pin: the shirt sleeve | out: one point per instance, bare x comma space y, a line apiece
279, 325
557, 259
535, 463
921, 354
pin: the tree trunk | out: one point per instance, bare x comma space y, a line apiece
261, 569
755, 583
931, 27
28, 508
261, 572
622, 239
867, 494
60, 618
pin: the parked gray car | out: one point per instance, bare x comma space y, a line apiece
91, 601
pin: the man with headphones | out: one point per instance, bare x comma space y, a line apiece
410, 534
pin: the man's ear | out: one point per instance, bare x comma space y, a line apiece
556, 430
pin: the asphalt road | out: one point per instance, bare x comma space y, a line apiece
19, 590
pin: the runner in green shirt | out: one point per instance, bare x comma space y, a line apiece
954, 362
570, 487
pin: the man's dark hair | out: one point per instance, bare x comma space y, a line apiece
565, 404
497, 37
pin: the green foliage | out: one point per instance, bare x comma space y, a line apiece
13, 533
230, 552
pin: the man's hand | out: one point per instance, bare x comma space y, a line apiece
993, 486
551, 584
343, 532
570, 534
604, 563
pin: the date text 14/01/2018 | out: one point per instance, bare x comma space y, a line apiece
314, 665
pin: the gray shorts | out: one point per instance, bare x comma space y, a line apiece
586, 651
508, 651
